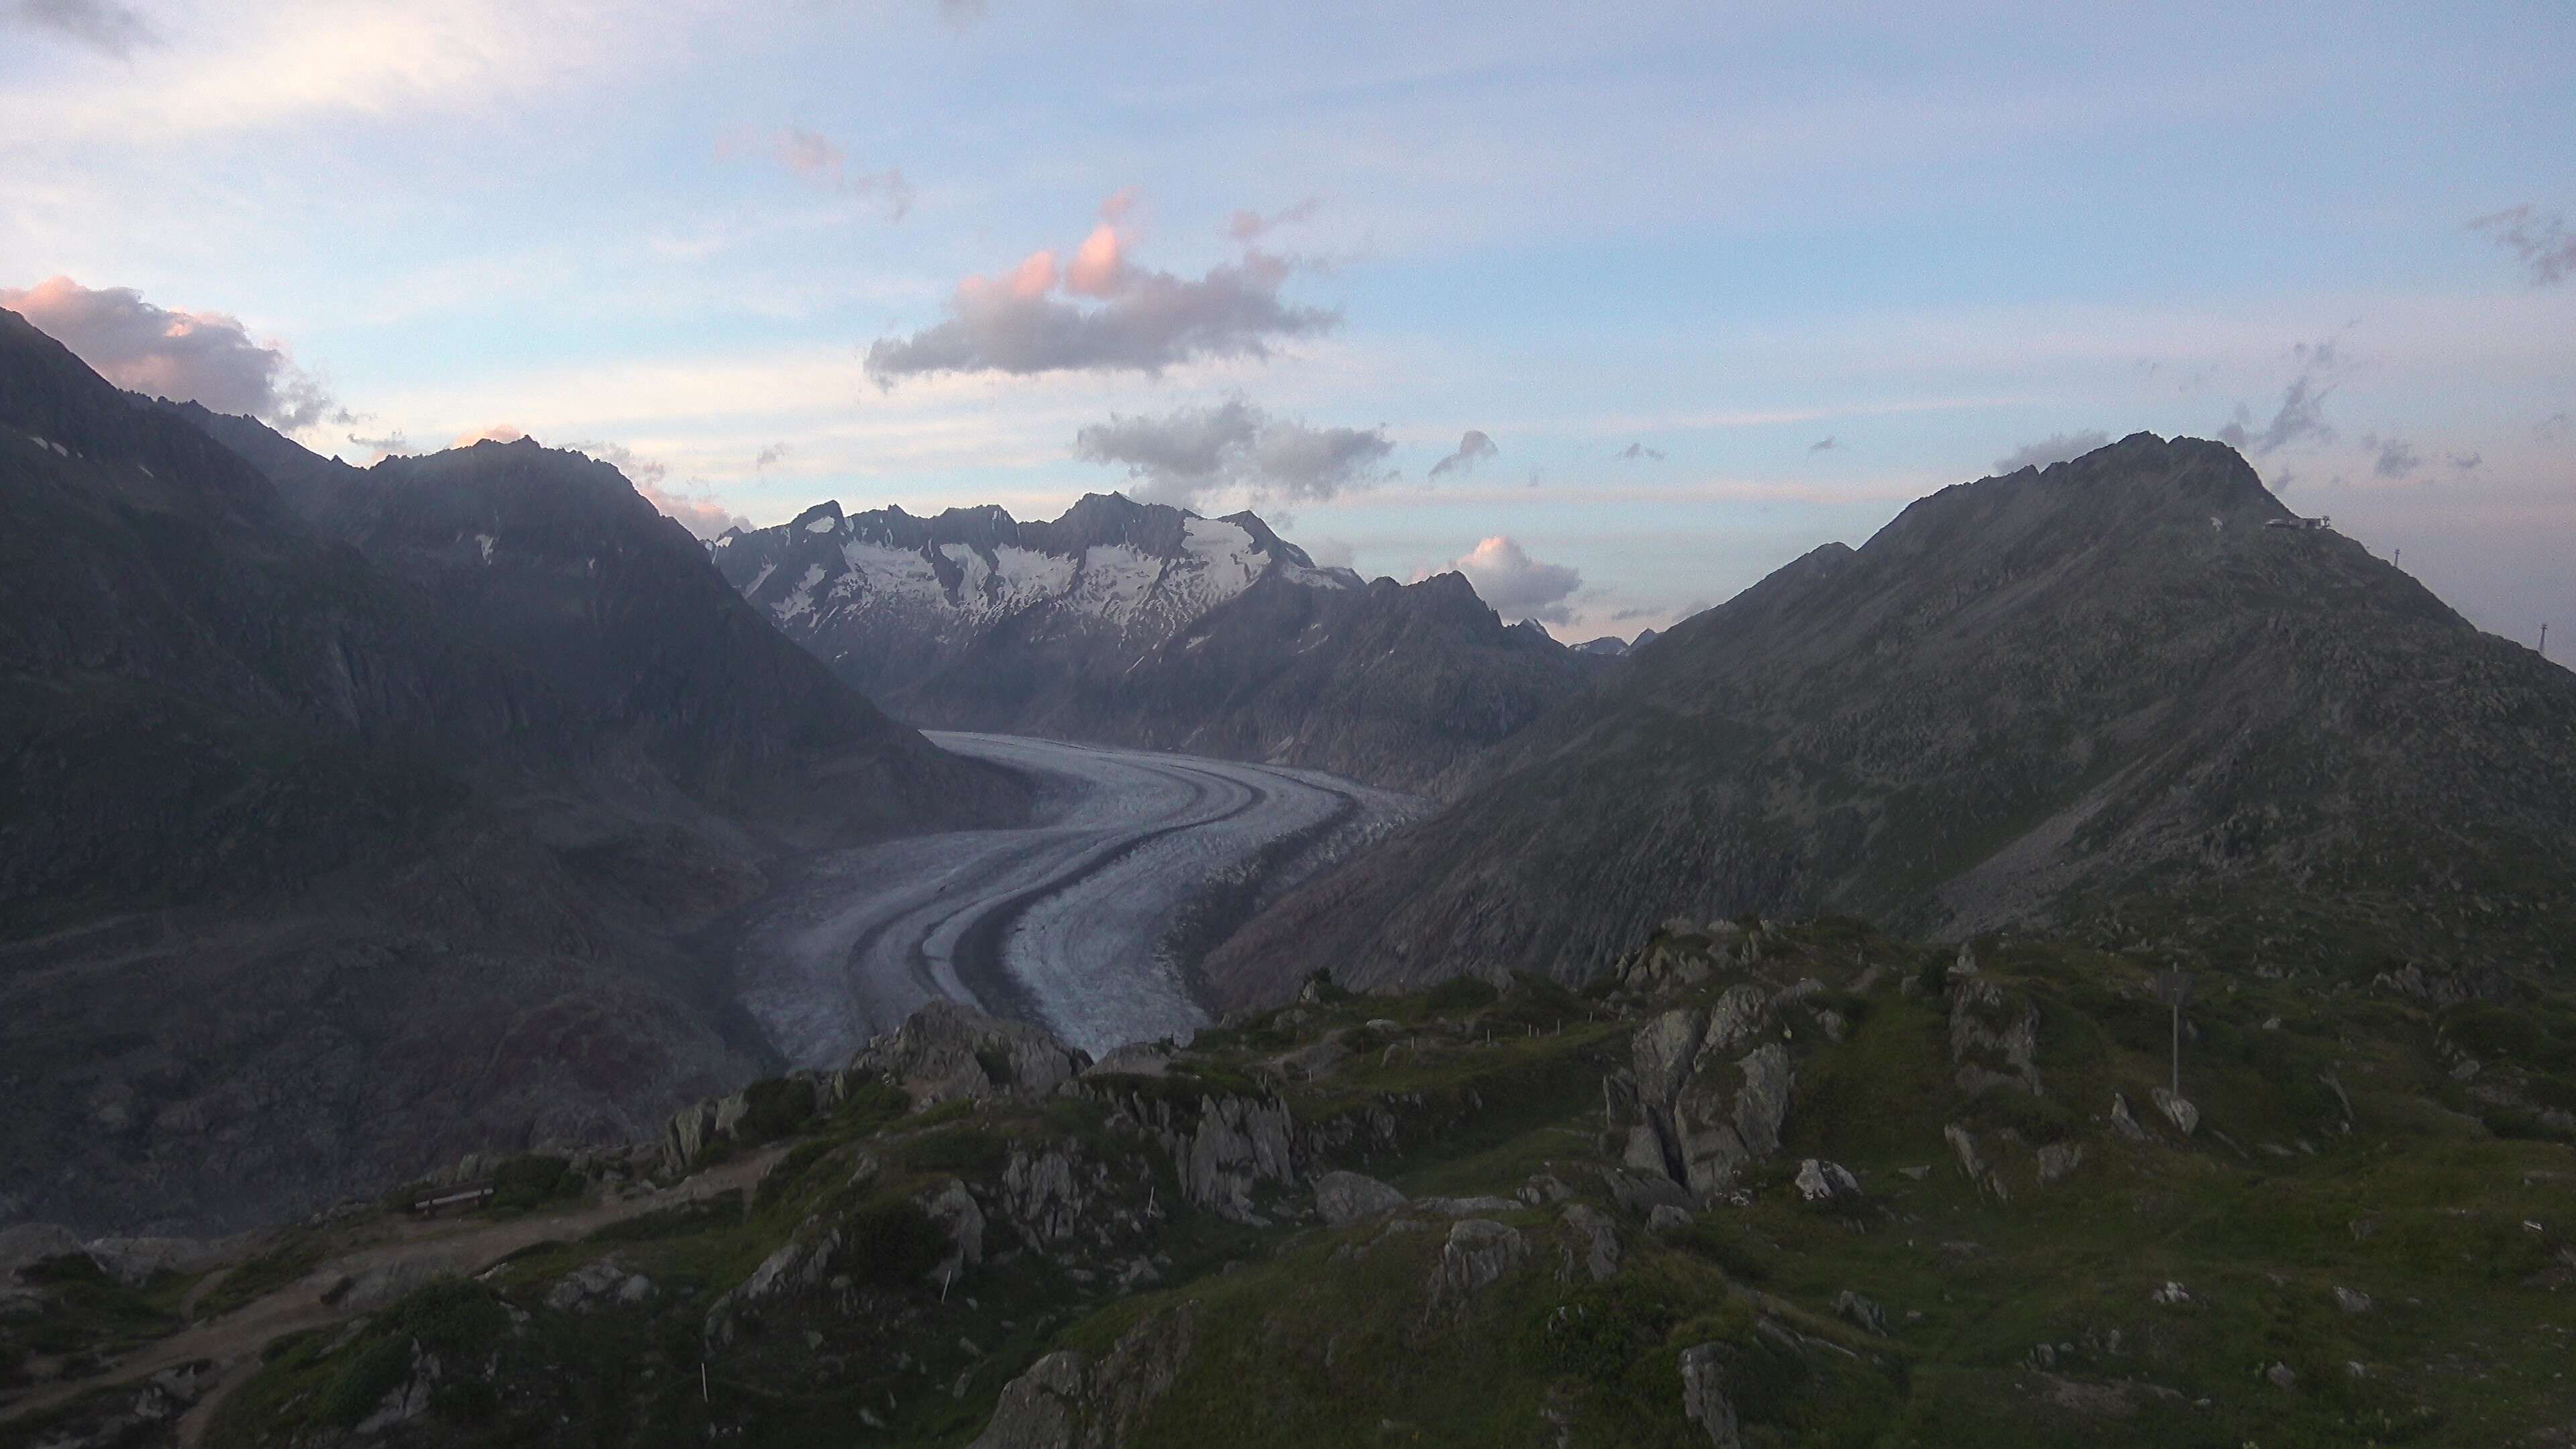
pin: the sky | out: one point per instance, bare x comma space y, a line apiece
1614, 307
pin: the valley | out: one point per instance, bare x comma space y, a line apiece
1087, 918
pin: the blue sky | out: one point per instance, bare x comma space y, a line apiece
1935, 235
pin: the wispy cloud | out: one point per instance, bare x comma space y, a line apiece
2539, 239
1191, 452
1635, 452
814, 156
1823, 445
2301, 415
1473, 449
2395, 457
773, 453
2049, 451
1252, 226
102, 25
202, 357
1024, 322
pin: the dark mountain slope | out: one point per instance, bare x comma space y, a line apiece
1394, 684
2104, 695
317, 866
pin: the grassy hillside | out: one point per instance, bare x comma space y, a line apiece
2364, 1238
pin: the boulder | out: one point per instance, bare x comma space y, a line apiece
2182, 1114
1065, 1401
1666, 1218
1826, 1183
1707, 1399
1592, 1244
1994, 1037
2121, 1122
1344, 1197
1860, 1312
947, 1050
2351, 1300
958, 1215
2058, 1161
1478, 1254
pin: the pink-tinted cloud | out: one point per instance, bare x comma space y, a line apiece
700, 513
497, 433
1517, 586
1145, 320
200, 357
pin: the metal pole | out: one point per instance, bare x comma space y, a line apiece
2177, 1044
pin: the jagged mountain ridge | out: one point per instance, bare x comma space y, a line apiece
327, 853
1143, 624
2098, 695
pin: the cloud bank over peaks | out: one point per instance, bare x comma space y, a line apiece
1473, 449
1517, 586
1192, 452
1027, 321
2054, 449
200, 357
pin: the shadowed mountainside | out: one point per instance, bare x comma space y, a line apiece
2106, 696
328, 852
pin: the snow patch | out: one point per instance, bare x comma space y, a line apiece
486, 541
800, 600
758, 579
824, 524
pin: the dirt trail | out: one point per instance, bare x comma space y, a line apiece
423, 1250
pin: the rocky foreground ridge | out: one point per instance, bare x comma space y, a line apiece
1763, 1184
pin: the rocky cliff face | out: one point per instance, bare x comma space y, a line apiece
1144, 625
338, 838
2103, 695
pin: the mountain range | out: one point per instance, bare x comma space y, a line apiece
1144, 624
2131, 696
353, 818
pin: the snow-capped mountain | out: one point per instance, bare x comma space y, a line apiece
888, 598
1144, 624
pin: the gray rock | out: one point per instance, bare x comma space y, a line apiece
2126, 1125
947, 1050
1065, 1401
1860, 1312
26, 1244
1478, 1254
1544, 1188
2182, 1114
1468, 1207
1135, 1059
1994, 1039
1594, 1244
1707, 1398
962, 1218
1739, 1014
1666, 1218
1826, 1183
2058, 1160
2282, 1376
2351, 1300
1343, 1197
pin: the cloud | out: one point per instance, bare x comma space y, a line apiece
102, 25
701, 513
1145, 320
768, 455
2541, 240
384, 447
497, 433
961, 13
1194, 451
813, 155
1822, 445
2054, 449
1330, 553
1473, 449
2464, 461
1251, 226
2397, 458
2556, 425
202, 357
2301, 416
1517, 586
1636, 451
